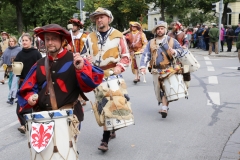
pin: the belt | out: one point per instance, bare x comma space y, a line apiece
70, 105
111, 65
21, 80
67, 106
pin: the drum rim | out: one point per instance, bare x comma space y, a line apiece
40, 116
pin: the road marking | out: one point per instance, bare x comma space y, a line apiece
214, 98
212, 80
206, 58
8, 126
210, 68
208, 62
235, 68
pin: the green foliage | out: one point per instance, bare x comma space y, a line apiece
122, 10
8, 19
36, 13
42, 12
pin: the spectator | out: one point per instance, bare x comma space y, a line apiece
238, 47
230, 36
237, 31
28, 56
3, 46
7, 58
222, 34
189, 34
20, 40
206, 37
195, 40
213, 38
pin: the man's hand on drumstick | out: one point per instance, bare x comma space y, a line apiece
78, 61
172, 51
117, 70
32, 100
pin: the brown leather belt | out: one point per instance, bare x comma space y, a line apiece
111, 65
70, 105
67, 106
21, 80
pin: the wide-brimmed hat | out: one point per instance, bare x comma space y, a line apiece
53, 28
136, 24
159, 24
76, 21
100, 11
214, 24
5, 33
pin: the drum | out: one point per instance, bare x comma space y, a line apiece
174, 87
138, 58
189, 59
52, 135
114, 123
113, 108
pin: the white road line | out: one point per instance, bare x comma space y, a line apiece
235, 68
210, 68
208, 62
214, 97
8, 126
212, 80
206, 58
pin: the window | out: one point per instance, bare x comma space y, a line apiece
155, 21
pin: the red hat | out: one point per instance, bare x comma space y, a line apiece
76, 21
53, 28
179, 25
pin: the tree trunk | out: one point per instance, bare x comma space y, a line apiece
19, 16
162, 10
224, 15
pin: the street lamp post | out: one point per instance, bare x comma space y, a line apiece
220, 22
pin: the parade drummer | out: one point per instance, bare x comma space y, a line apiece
108, 49
180, 36
159, 60
79, 40
69, 75
137, 42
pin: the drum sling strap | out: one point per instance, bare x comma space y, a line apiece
160, 80
50, 90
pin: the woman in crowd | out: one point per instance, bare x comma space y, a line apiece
28, 56
7, 58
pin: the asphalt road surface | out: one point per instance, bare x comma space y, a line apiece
196, 128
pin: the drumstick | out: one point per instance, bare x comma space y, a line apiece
34, 97
144, 79
70, 27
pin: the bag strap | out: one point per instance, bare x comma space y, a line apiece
170, 44
49, 88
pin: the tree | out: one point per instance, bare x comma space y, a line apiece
18, 6
122, 10
32, 13
206, 6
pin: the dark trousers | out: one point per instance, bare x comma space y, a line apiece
206, 40
222, 43
24, 111
20, 115
229, 44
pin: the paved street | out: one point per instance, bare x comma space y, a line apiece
196, 128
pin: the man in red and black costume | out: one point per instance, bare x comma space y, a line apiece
180, 36
79, 40
70, 74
